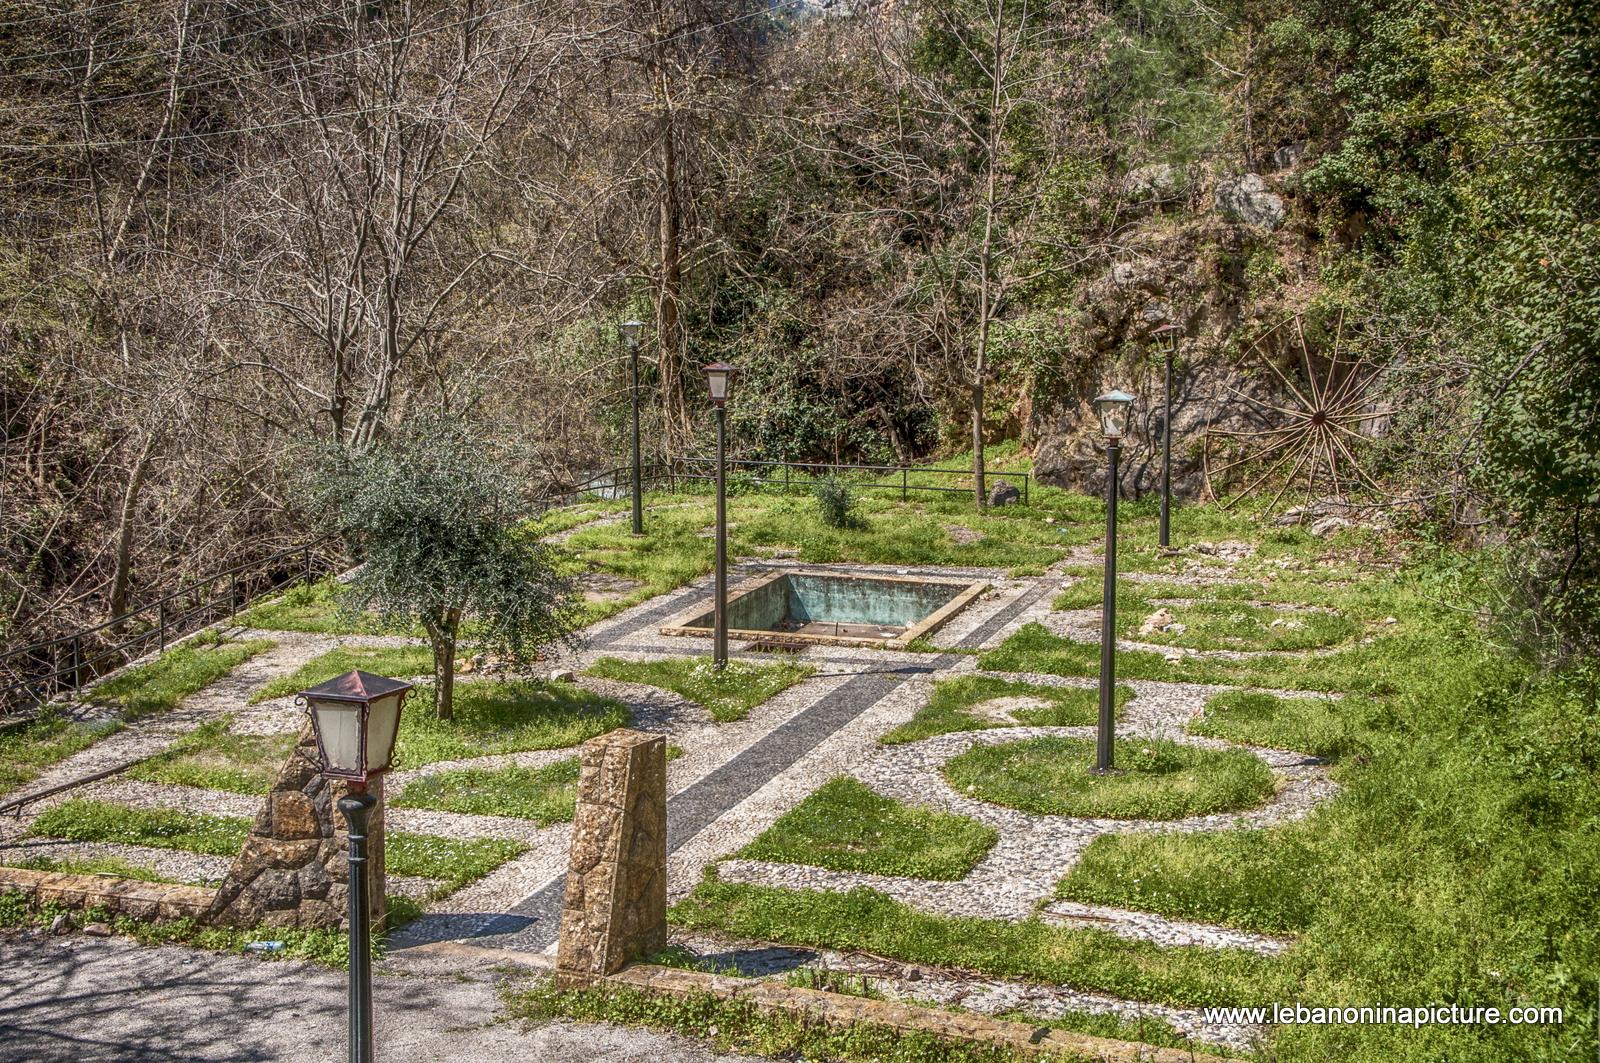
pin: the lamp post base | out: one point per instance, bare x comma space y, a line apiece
356, 807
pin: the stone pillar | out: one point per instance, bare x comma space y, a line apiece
292, 870
615, 909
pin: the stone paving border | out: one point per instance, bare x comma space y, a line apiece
1026, 1040
118, 896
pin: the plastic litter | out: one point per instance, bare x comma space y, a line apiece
265, 946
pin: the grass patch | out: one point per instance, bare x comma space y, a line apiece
451, 862
1263, 880
212, 757
1319, 726
315, 608
49, 738
82, 820
948, 709
846, 826
728, 695
395, 661
1237, 626
545, 795
494, 717
1094, 960
1385, 666
173, 676
94, 865
1154, 779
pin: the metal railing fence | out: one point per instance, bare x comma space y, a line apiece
34, 674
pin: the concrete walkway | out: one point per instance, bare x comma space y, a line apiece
76, 998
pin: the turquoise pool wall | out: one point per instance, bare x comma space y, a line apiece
857, 600
834, 599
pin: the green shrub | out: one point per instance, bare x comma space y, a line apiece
836, 504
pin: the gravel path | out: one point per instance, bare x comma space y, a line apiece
77, 999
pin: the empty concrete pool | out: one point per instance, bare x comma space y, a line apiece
829, 608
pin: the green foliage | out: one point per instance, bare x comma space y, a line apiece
947, 709
173, 676
503, 717
545, 795
438, 524
1092, 960
1154, 778
846, 826
1470, 139
836, 505
728, 695
394, 661
212, 757
47, 739
1269, 881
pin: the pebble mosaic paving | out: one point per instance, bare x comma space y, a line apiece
734, 780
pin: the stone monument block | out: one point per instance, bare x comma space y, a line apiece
615, 907
292, 870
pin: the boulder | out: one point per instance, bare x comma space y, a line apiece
1155, 183
1289, 156
1160, 620
1246, 199
1004, 493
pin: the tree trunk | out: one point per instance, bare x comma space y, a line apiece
122, 575
669, 292
442, 633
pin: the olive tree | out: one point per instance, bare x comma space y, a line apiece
438, 525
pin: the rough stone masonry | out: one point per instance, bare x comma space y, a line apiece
292, 870
615, 908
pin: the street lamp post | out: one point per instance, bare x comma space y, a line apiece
1167, 335
1113, 408
356, 717
717, 377
630, 334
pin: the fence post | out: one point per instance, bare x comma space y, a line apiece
1025, 479
904, 481
161, 609
77, 661
233, 597
785, 477
306, 578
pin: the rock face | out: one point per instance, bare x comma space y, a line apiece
292, 871
615, 908
1245, 199
1004, 493
1229, 284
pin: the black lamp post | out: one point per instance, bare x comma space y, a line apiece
1113, 408
718, 375
356, 717
630, 335
1167, 336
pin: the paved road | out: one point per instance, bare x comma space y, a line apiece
77, 998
